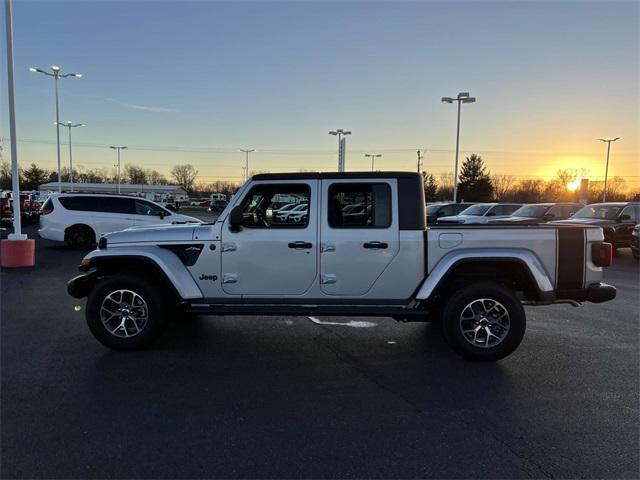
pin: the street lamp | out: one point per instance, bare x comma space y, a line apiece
606, 170
70, 125
373, 157
246, 161
463, 97
56, 74
118, 148
341, 148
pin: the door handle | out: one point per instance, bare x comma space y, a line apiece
376, 245
300, 245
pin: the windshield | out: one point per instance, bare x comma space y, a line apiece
598, 211
431, 209
477, 210
535, 211
302, 206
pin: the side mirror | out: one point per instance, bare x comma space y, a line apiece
161, 215
235, 218
491, 214
624, 218
549, 216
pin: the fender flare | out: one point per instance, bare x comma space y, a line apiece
166, 261
526, 258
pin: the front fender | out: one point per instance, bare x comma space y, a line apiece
166, 261
526, 257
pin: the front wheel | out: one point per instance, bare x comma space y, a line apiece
126, 312
483, 321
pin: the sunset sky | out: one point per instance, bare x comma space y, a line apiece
191, 82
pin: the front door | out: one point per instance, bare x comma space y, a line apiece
273, 254
359, 234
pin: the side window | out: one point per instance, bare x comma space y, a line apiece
264, 206
359, 205
446, 211
509, 209
558, 211
114, 205
147, 208
631, 211
493, 211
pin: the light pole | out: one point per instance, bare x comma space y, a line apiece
246, 161
463, 97
341, 147
373, 157
606, 170
56, 74
118, 148
70, 125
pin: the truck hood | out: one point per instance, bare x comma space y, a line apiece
152, 234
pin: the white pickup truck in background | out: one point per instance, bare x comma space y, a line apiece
379, 259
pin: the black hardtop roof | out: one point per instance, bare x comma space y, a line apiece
332, 175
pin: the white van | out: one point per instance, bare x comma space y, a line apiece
80, 219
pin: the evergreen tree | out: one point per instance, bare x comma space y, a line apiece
430, 186
33, 177
474, 181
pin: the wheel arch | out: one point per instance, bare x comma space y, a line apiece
81, 225
159, 266
520, 271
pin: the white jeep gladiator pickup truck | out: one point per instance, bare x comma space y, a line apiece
361, 247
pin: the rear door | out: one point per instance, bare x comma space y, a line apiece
357, 244
269, 256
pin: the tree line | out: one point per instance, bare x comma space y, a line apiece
477, 184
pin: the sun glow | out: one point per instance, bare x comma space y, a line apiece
573, 186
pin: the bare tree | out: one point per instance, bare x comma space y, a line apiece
135, 174
156, 178
502, 185
185, 175
529, 191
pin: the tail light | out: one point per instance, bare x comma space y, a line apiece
602, 254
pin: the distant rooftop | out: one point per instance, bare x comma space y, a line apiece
113, 187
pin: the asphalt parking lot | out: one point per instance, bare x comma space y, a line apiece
280, 397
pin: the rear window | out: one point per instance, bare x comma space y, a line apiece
359, 205
98, 204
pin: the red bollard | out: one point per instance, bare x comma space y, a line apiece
17, 253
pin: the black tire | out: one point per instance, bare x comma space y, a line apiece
80, 237
471, 345
156, 309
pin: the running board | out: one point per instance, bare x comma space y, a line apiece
399, 313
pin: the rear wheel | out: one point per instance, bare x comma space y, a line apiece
483, 321
126, 312
80, 237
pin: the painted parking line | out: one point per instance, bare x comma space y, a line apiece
350, 323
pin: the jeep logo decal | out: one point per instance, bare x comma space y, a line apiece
213, 278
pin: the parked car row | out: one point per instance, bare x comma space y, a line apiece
29, 207
617, 219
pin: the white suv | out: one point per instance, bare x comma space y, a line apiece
80, 219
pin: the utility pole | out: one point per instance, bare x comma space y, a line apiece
419, 161
246, 161
342, 147
118, 148
606, 170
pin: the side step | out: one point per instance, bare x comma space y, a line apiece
399, 313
